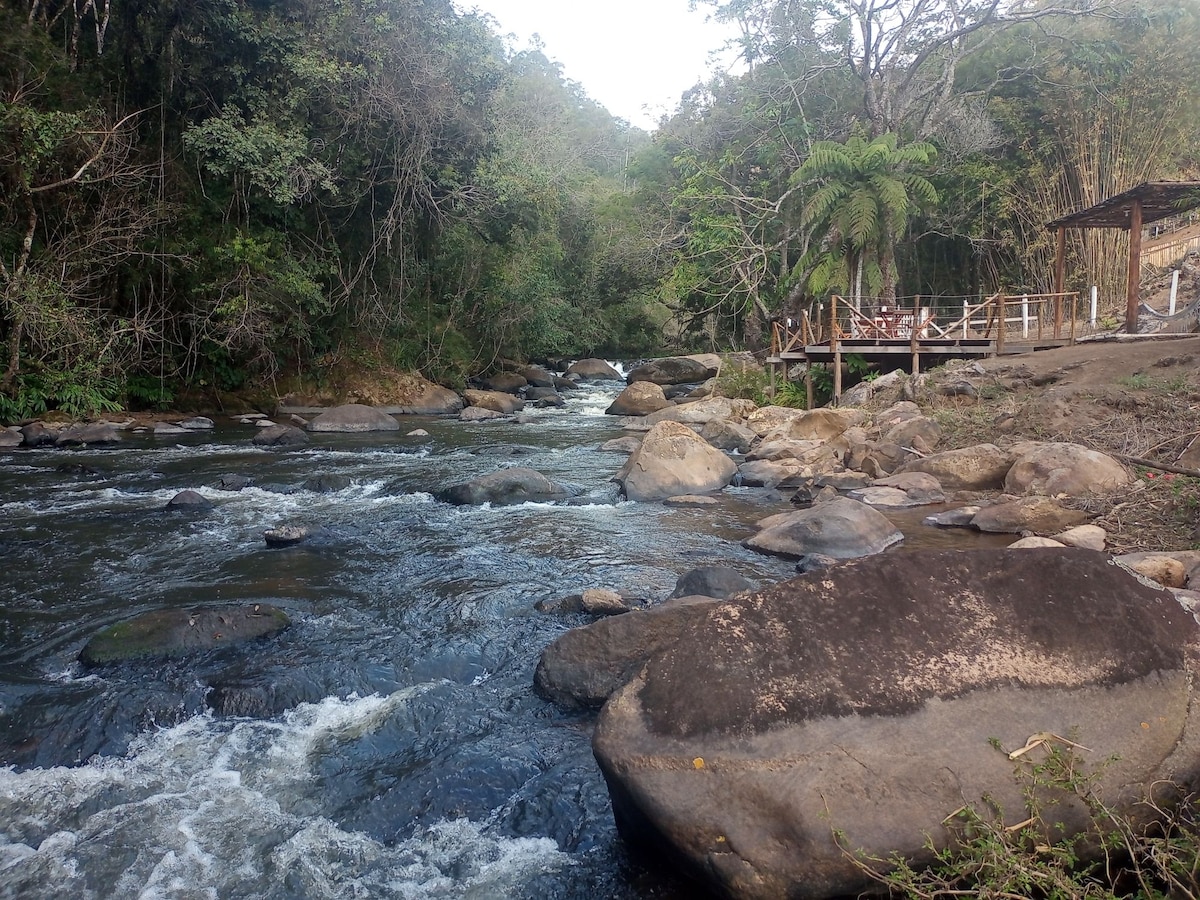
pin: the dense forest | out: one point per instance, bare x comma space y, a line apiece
204, 195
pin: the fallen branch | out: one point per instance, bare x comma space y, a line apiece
1162, 467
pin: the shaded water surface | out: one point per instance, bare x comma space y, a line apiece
395, 746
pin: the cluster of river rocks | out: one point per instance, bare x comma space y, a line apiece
778, 741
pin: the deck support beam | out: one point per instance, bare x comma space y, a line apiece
1133, 280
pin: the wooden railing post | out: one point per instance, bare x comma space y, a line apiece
837, 350
1002, 324
914, 345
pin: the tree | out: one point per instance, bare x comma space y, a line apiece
864, 194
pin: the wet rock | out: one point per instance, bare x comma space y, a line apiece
10, 438
542, 393
78, 469
1061, 468
232, 483
585, 665
430, 400
639, 399
711, 581
890, 498
835, 710
290, 535
327, 484
280, 437
353, 418
36, 434
496, 401
94, 434
166, 429
418, 433
673, 460
594, 370
1037, 514
842, 528
189, 500
177, 632
504, 488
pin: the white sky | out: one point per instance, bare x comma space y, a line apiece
635, 57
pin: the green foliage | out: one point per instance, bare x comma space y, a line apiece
79, 394
148, 392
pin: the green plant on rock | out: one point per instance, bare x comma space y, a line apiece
1155, 857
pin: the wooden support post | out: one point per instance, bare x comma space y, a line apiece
1134, 277
772, 388
1058, 317
914, 344
1074, 312
1001, 324
1060, 261
837, 349
809, 393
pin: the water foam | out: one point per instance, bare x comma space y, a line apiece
213, 808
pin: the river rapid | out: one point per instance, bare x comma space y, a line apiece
400, 750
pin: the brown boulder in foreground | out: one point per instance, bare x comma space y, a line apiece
674, 460
865, 698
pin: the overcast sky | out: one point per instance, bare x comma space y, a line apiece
636, 57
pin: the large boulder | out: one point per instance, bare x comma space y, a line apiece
711, 581
982, 467
673, 460
672, 370
10, 437
1071, 469
353, 418
93, 434
538, 377
176, 632
428, 399
778, 741
280, 436
639, 399
496, 401
841, 528
506, 487
593, 370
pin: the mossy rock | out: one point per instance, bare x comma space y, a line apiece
177, 632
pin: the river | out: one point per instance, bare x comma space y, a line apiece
400, 750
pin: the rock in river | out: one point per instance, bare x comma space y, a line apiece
506, 487
353, 418
175, 632
872, 700
841, 528
674, 460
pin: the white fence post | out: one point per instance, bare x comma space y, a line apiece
966, 312
1095, 303
1174, 292
1025, 317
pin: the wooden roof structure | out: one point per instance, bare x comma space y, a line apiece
1131, 209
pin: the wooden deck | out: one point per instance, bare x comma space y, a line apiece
996, 326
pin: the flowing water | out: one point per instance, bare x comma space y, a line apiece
397, 748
